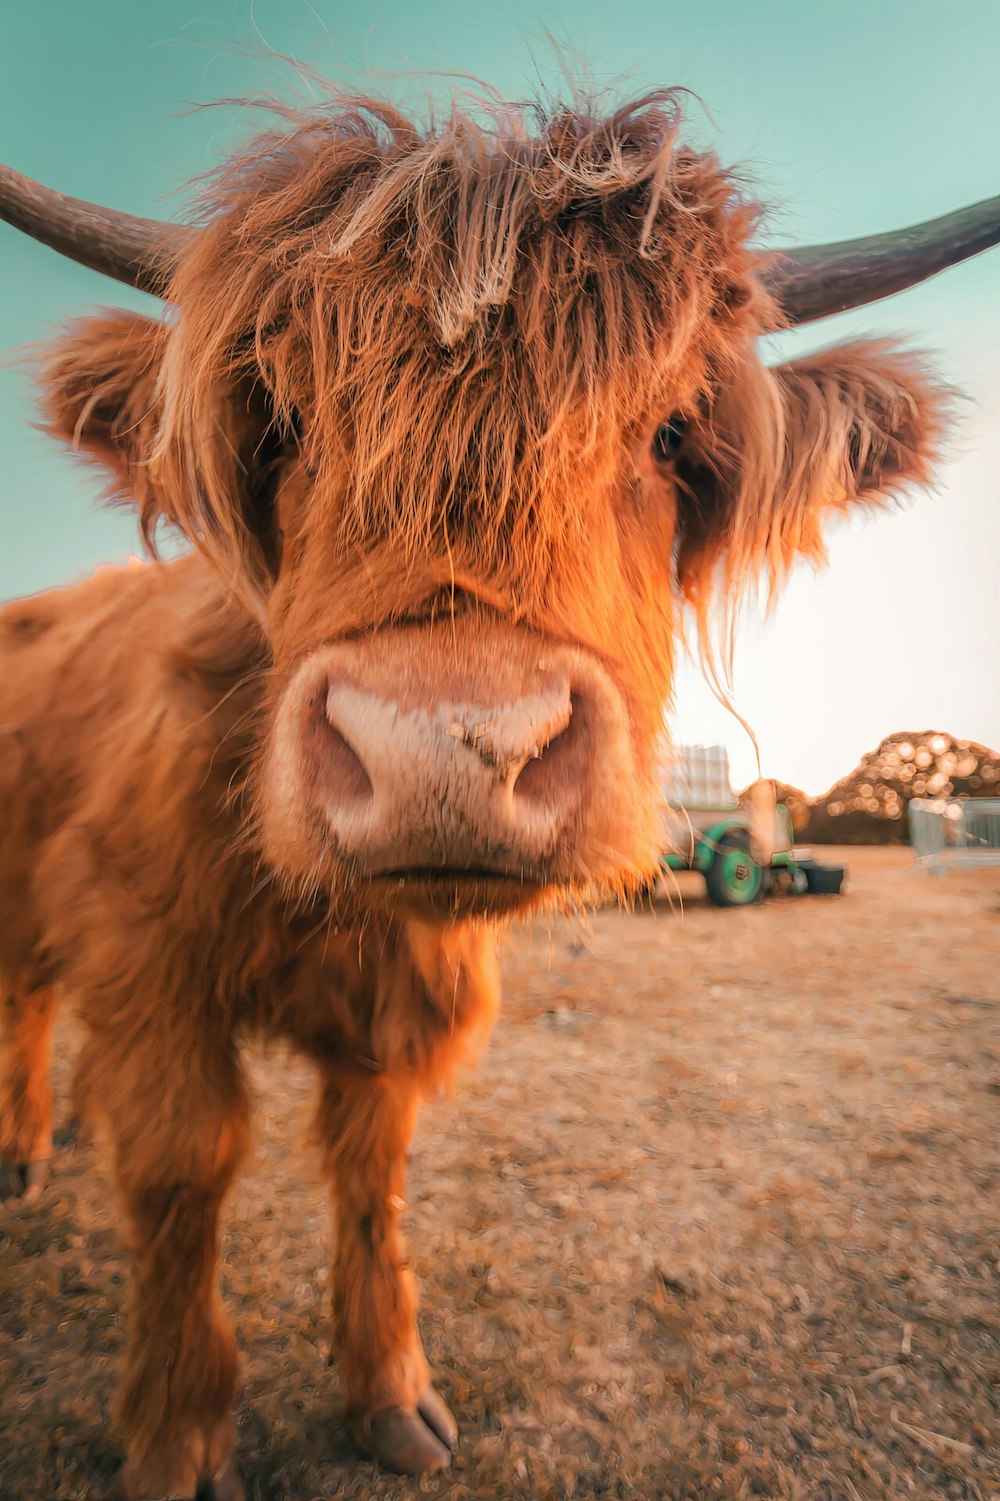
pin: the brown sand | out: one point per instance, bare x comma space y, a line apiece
718, 1217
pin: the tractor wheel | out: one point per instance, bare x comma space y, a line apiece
734, 879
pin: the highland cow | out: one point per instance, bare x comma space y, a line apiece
460, 423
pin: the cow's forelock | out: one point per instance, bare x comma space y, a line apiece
467, 324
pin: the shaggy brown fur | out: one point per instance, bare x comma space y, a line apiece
25, 1091
407, 367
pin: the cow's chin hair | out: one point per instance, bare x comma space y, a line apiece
455, 896
354, 897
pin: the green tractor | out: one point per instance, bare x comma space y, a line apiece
720, 846
706, 829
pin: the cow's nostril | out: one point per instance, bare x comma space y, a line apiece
550, 779
343, 770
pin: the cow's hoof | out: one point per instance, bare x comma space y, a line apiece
410, 1441
24, 1180
225, 1487
139, 1484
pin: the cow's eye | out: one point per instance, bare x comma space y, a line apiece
668, 438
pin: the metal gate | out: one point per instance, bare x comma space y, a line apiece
955, 831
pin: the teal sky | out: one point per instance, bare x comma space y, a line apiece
851, 117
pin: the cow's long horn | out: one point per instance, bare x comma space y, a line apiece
140, 252
814, 281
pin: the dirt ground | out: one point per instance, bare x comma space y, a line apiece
717, 1217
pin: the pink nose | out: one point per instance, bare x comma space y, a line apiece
464, 748
459, 785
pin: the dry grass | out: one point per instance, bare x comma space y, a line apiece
717, 1218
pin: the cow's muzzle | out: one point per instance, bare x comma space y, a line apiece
456, 769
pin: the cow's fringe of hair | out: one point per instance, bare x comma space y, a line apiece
389, 291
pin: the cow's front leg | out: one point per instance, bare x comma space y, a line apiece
178, 1138
25, 1091
395, 1413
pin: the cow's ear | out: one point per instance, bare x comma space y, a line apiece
781, 450
100, 395
106, 392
